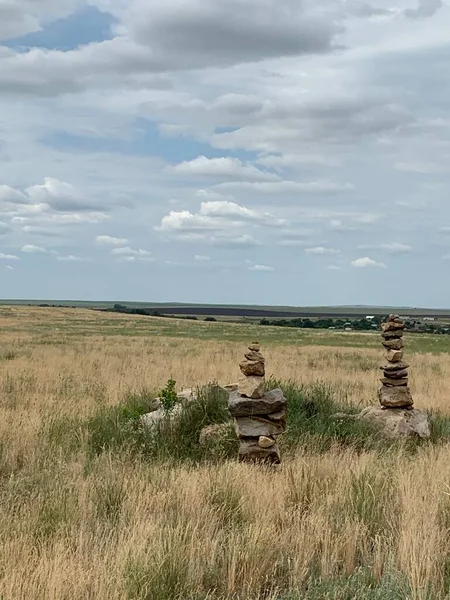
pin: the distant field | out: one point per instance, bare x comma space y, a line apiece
236, 311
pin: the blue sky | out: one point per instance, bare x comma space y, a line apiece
245, 152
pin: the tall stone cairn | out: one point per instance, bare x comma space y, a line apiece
260, 416
394, 391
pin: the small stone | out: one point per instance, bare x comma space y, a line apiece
277, 416
394, 318
392, 326
389, 335
394, 356
394, 344
250, 451
254, 427
396, 374
255, 347
270, 403
251, 387
252, 367
253, 355
266, 442
394, 382
398, 366
395, 397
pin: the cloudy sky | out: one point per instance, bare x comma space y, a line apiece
247, 151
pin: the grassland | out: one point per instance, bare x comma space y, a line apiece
338, 520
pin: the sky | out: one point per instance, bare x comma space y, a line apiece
272, 152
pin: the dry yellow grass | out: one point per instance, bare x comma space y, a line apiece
114, 527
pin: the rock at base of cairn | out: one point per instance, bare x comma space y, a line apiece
398, 423
395, 397
251, 451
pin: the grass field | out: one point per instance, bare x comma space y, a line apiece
89, 509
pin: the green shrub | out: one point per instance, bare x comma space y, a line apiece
169, 396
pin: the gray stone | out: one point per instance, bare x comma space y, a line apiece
397, 366
152, 419
271, 403
397, 422
251, 387
252, 368
398, 374
254, 347
395, 397
277, 416
250, 451
257, 426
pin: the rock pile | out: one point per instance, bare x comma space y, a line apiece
394, 391
260, 416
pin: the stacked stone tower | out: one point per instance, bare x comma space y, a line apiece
394, 391
260, 416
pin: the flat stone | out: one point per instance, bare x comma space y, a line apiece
277, 416
393, 344
392, 326
251, 387
394, 382
388, 335
400, 374
266, 442
397, 366
250, 451
255, 347
257, 426
271, 403
252, 355
394, 356
395, 397
231, 387
252, 367
398, 422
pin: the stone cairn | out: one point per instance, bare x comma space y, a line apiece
260, 416
394, 391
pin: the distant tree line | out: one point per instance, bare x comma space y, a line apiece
355, 324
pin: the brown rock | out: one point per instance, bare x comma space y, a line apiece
396, 374
392, 326
398, 366
252, 355
394, 382
252, 367
395, 397
394, 356
397, 422
389, 335
255, 347
394, 344
213, 433
251, 387
250, 451
271, 403
394, 318
257, 426
277, 416
266, 442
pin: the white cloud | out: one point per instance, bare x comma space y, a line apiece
290, 187
132, 255
242, 241
365, 262
333, 268
107, 240
70, 258
9, 267
396, 248
297, 161
202, 258
263, 268
223, 168
322, 251
30, 249
8, 256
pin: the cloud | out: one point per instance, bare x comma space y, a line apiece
333, 268
9, 267
289, 187
107, 240
243, 241
396, 248
418, 167
201, 258
8, 256
131, 254
321, 251
263, 268
4, 228
297, 161
30, 249
223, 168
70, 258
362, 263
426, 9
60, 196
